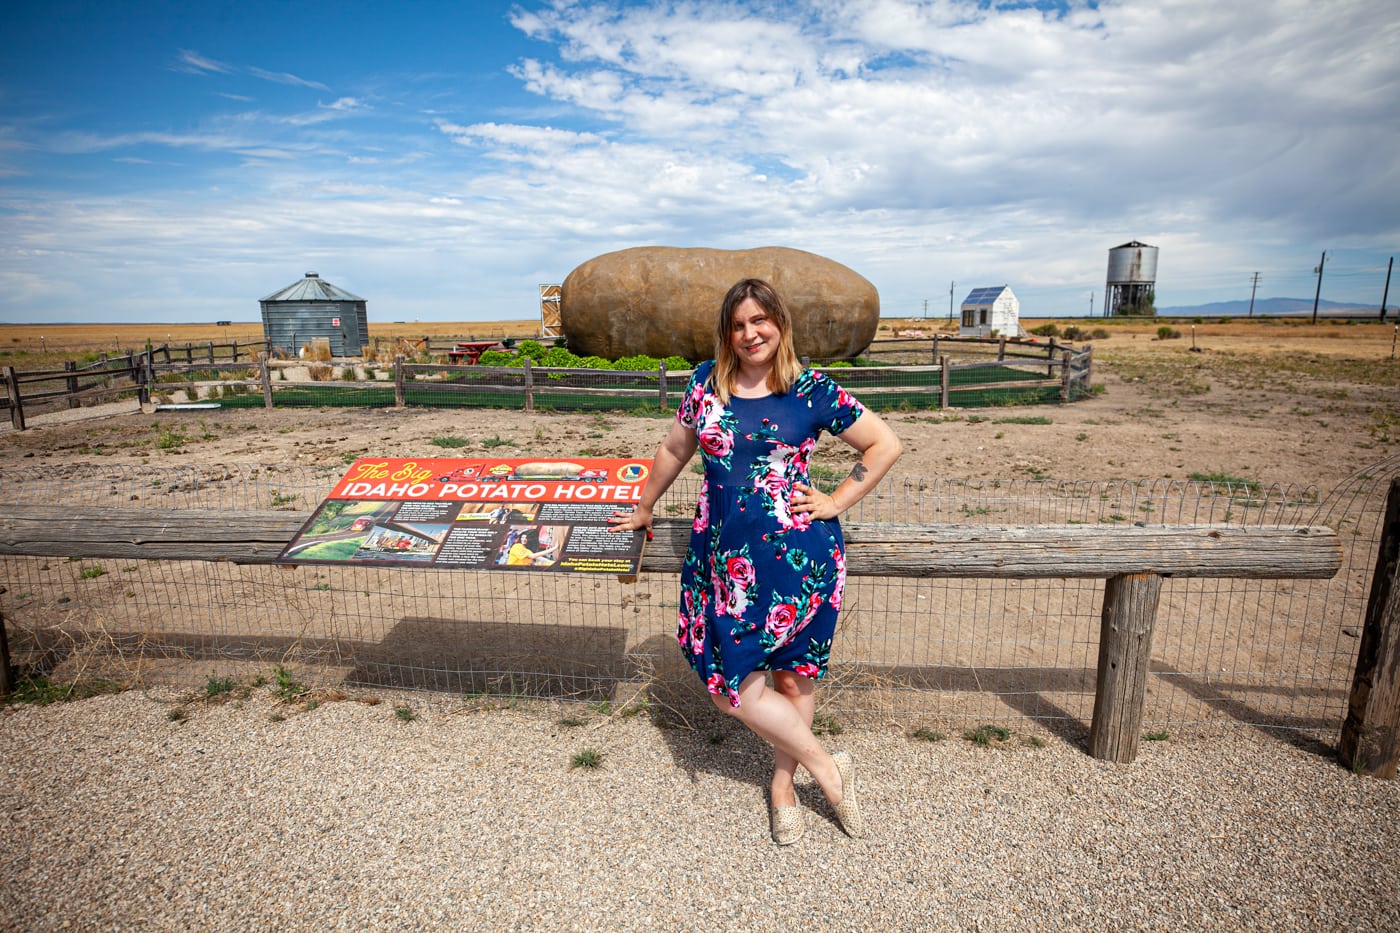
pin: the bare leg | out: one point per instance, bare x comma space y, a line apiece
801, 693
773, 718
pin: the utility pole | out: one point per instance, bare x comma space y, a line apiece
1091, 304
951, 286
925, 309
1252, 288
1318, 294
1386, 294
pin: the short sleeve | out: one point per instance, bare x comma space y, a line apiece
833, 408
689, 412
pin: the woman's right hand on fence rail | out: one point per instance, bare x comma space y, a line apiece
636, 520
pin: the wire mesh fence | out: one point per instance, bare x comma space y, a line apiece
1270, 653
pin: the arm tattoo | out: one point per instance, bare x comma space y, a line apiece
858, 472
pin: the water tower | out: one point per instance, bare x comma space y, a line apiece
1132, 279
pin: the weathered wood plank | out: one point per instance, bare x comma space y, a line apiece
876, 549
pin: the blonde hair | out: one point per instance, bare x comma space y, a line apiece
786, 366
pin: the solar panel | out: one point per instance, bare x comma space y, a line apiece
984, 296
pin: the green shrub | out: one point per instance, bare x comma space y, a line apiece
674, 363
639, 363
533, 349
497, 358
1046, 330
560, 358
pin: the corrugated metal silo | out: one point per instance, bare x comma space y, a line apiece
311, 308
1132, 278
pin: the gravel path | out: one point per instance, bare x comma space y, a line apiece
348, 817
74, 415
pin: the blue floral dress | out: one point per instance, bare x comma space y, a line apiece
761, 586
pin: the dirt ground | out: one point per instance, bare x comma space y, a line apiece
1272, 404
1268, 402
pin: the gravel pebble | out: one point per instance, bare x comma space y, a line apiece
348, 817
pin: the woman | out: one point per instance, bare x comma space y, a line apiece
528, 550
763, 579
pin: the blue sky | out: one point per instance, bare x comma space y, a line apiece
178, 161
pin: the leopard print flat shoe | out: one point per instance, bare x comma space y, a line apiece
848, 810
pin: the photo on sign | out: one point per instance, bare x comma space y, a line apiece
499, 513
339, 529
532, 545
402, 541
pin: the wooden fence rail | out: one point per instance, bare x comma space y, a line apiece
1131, 561
75, 384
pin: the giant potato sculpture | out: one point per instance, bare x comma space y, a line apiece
664, 301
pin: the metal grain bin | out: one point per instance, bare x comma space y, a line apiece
310, 308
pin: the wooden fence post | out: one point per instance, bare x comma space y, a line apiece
529, 386
398, 381
661, 382
16, 403
935, 350
1001, 349
211, 353
1125, 651
1064, 376
265, 372
944, 397
143, 388
7, 684
72, 383
1370, 741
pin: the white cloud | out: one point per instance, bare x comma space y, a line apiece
1129, 114
194, 63
283, 77
918, 142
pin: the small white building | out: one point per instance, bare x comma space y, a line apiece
991, 311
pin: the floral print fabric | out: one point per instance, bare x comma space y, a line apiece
761, 586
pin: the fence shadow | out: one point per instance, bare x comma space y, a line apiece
443, 655
703, 740
1298, 731
526, 659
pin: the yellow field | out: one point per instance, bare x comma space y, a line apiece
1370, 339
120, 338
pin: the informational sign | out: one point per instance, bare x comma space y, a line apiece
487, 514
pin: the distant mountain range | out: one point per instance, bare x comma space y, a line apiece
1273, 307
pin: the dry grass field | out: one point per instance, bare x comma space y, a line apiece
121, 338
1331, 337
